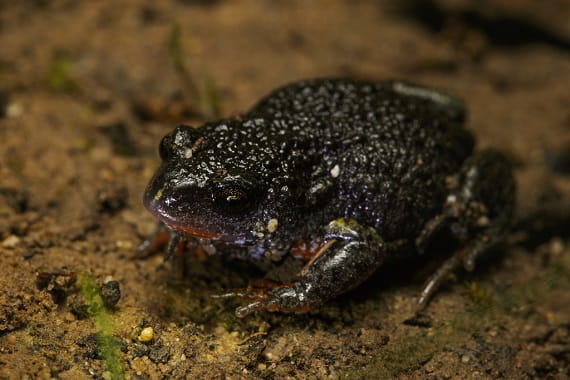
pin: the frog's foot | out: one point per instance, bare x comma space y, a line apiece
290, 298
465, 256
477, 211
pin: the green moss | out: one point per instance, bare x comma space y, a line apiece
16, 162
483, 300
60, 75
518, 298
205, 96
405, 356
557, 276
108, 345
209, 98
175, 46
488, 308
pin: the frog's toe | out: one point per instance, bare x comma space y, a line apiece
154, 243
474, 250
255, 297
252, 307
466, 257
435, 281
287, 298
256, 289
236, 293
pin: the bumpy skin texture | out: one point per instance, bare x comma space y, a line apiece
356, 170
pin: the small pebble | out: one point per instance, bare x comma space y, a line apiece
111, 292
14, 110
11, 339
11, 241
147, 334
124, 244
556, 246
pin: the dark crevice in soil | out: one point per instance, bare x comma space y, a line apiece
501, 29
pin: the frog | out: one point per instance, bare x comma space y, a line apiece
341, 175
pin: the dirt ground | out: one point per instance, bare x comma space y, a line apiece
88, 88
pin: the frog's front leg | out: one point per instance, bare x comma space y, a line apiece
478, 211
350, 254
163, 236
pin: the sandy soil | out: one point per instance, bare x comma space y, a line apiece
87, 89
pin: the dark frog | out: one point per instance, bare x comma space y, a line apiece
341, 174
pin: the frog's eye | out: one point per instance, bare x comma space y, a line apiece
233, 198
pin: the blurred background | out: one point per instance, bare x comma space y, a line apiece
88, 88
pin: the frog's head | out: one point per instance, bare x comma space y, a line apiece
215, 182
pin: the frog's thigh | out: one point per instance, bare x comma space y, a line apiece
350, 256
485, 201
478, 211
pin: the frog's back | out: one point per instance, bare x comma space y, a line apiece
357, 99
384, 148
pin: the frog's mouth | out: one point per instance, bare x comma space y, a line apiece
182, 225
189, 230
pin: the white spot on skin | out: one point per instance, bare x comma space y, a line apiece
451, 198
335, 171
258, 230
272, 225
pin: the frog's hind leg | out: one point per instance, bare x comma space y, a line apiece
477, 211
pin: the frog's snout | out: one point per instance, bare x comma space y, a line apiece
169, 204
154, 194
180, 206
